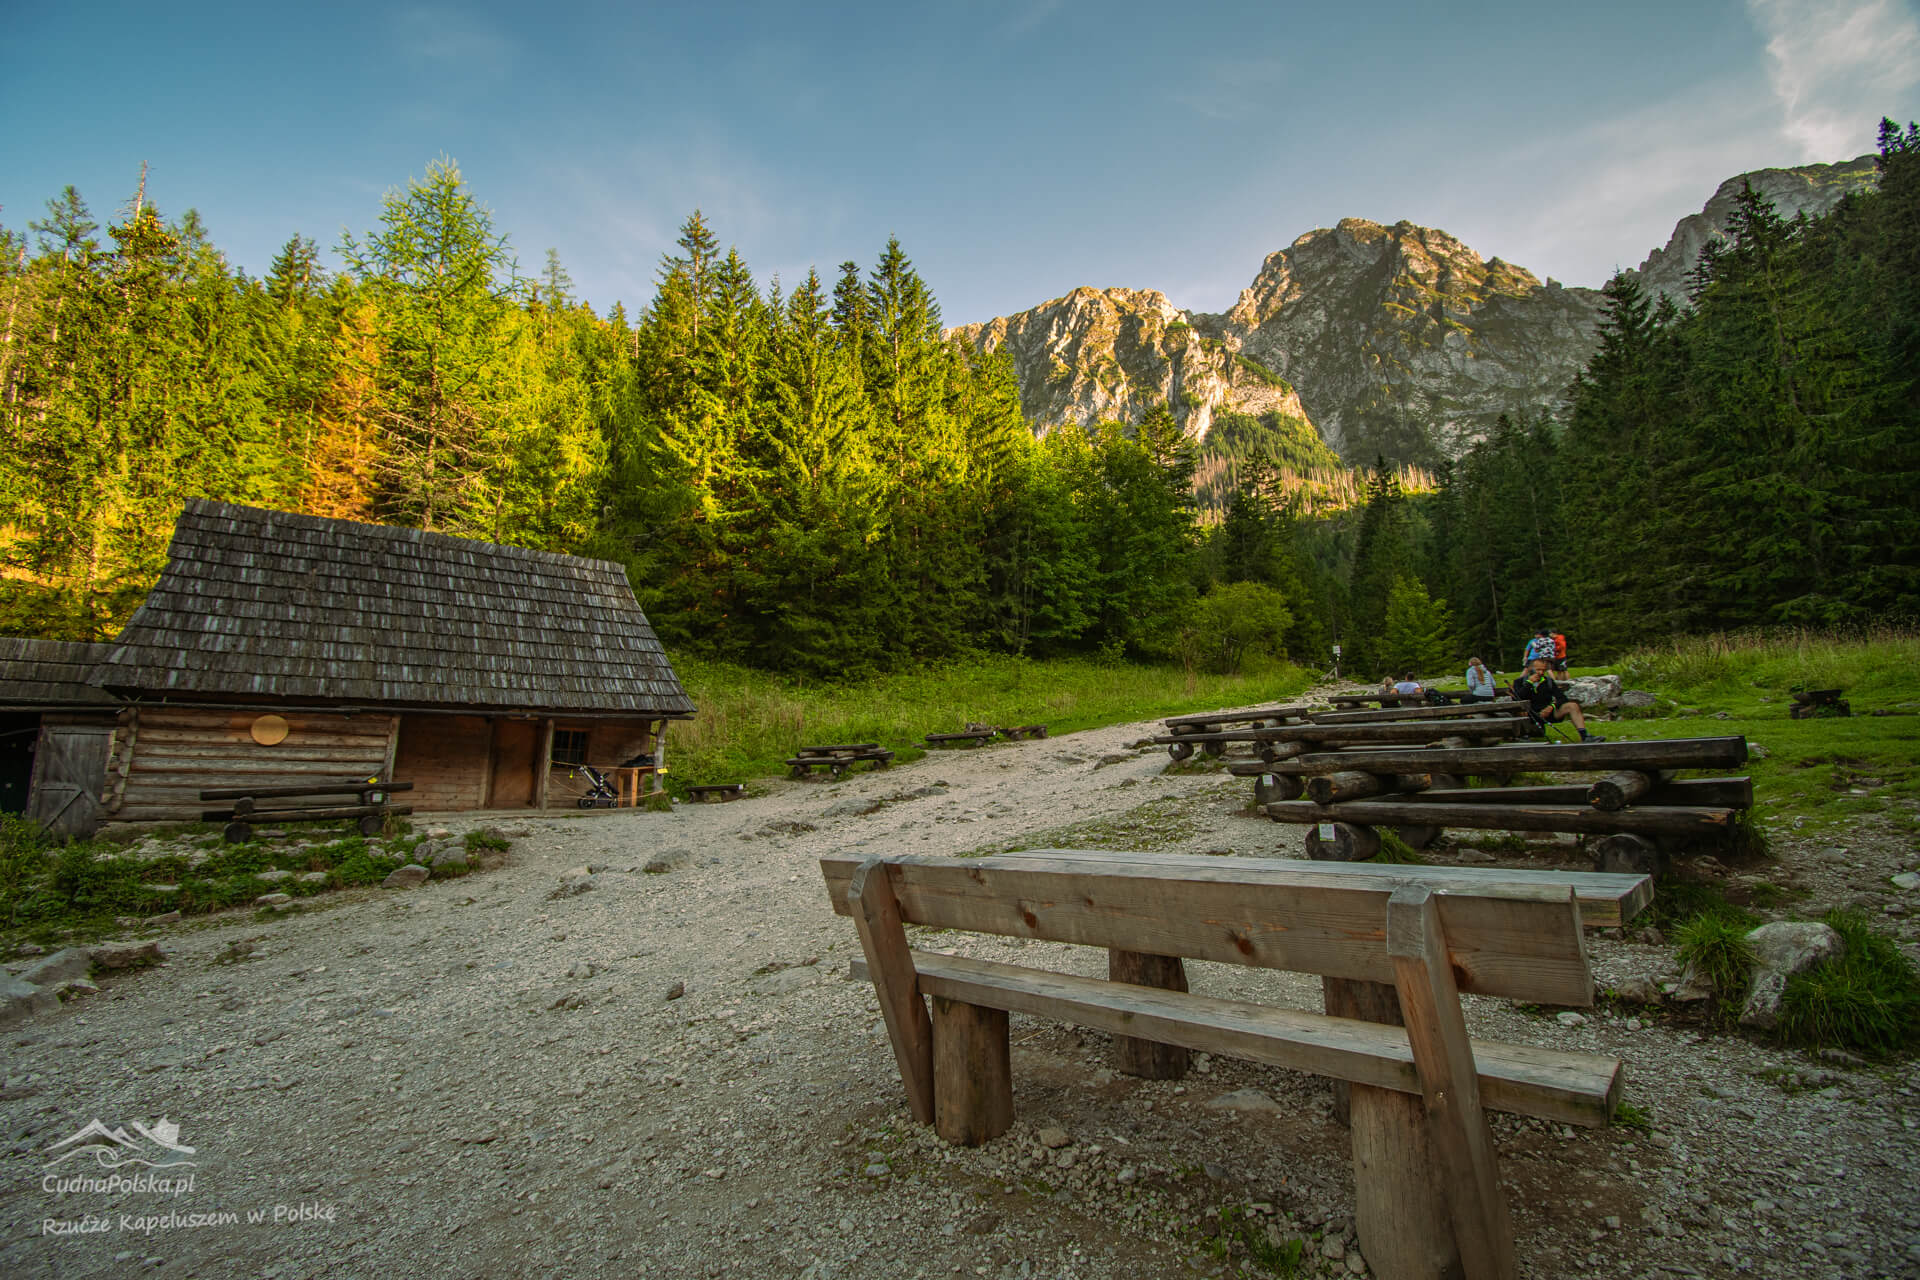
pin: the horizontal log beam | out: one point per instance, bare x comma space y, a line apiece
350, 787
1732, 793
1580, 820
1393, 714
259, 816
1240, 717
1414, 731
1652, 753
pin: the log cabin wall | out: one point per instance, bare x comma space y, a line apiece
448, 759
163, 756
608, 743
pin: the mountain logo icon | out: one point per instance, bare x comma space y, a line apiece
157, 1146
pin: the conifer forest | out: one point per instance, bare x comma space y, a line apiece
806, 476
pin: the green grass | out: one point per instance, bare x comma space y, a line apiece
48, 888
1867, 999
1395, 850
1816, 775
750, 721
1629, 1116
1715, 946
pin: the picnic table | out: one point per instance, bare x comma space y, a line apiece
836, 758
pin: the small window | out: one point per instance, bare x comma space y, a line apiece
569, 746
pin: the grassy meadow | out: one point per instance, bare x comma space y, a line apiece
750, 721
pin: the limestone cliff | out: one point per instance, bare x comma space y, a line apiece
1388, 339
1810, 189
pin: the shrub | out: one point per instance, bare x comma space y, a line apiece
1715, 946
1866, 999
1236, 621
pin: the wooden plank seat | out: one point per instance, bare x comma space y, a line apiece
1378, 699
1319, 736
1013, 733
365, 799
836, 748
1398, 714
1208, 721
837, 760
1421, 935
969, 737
717, 792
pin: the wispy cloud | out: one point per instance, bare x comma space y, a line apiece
1834, 65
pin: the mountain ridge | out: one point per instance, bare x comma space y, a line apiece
1390, 339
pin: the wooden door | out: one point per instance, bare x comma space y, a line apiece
69, 774
515, 750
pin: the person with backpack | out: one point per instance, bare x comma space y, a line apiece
1547, 701
1480, 686
1541, 646
1559, 664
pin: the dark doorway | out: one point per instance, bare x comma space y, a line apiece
17, 735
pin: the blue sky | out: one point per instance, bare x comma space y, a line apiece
1018, 149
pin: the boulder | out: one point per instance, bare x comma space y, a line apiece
1781, 950
272, 877
1595, 691
273, 900
411, 876
1636, 698
62, 966
126, 955
453, 858
1637, 990
22, 1000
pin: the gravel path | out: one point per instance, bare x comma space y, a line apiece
487, 1077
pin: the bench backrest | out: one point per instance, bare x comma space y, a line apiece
1511, 937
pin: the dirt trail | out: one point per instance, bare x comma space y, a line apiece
486, 1077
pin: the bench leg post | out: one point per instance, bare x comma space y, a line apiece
1450, 1084
1148, 1059
876, 914
1399, 1209
972, 1072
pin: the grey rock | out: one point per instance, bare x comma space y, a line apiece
61, 966
1250, 1101
1595, 691
785, 980
583, 969
1568, 1018
1781, 950
411, 876
1907, 880
311, 877
277, 899
272, 877
125, 955
20, 1000
1637, 990
452, 858
1636, 698
73, 988
1471, 855
165, 917
853, 808
675, 991
1053, 1138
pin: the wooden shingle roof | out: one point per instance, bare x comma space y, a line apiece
264, 605
49, 673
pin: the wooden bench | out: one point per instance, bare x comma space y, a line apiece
1388, 942
717, 792
1013, 733
245, 810
966, 737
837, 758
1638, 806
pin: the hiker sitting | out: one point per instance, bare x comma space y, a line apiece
1407, 684
1480, 687
1547, 701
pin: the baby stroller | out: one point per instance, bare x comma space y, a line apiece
600, 793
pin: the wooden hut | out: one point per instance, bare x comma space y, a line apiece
282, 648
55, 733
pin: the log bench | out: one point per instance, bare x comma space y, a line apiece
1389, 944
1279, 742
363, 799
837, 758
1013, 733
967, 737
1638, 806
717, 792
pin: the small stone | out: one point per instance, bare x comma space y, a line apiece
452, 858
125, 955
73, 987
311, 877
411, 876
1356, 1265
878, 1169
1637, 990
273, 900
677, 990
1570, 1019
1907, 880
272, 877
1469, 854
165, 917
1332, 1246
581, 970
1611, 1222
1054, 1138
